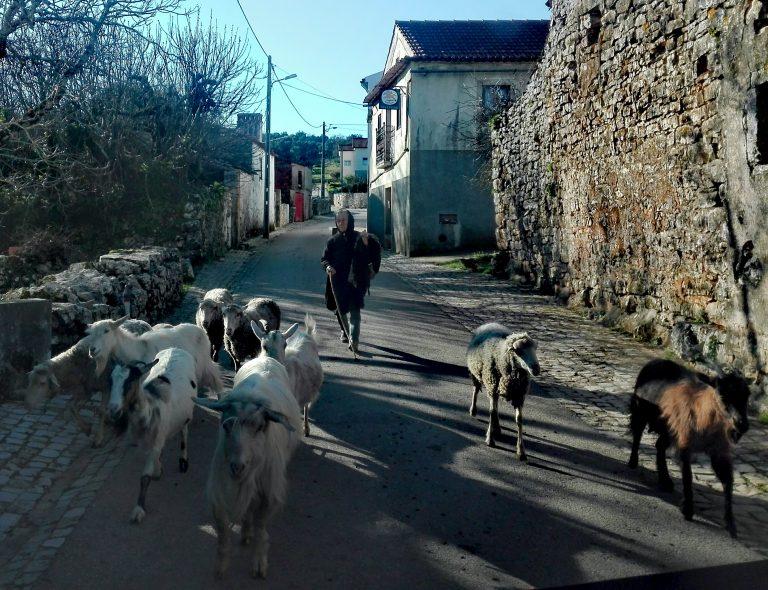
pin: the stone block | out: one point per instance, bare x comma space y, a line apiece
25, 340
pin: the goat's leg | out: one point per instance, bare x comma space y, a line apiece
685, 467
150, 466
74, 408
184, 457
637, 424
519, 421
493, 421
223, 534
723, 468
665, 481
261, 516
473, 405
98, 436
306, 420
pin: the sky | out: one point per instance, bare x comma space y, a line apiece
332, 45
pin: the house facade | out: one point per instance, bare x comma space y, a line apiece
353, 158
426, 190
301, 192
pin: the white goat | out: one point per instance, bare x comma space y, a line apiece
247, 482
74, 372
109, 342
299, 354
155, 408
210, 317
239, 341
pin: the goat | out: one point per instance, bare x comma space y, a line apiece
109, 342
299, 355
74, 372
155, 408
210, 317
504, 362
695, 413
247, 482
239, 340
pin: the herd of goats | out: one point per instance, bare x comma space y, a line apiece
150, 379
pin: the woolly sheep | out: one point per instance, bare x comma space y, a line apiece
74, 372
695, 413
239, 340
298, 353
247, 481
210, 317
155, 408
503, 362
109, 342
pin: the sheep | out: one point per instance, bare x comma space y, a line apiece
247, 480
74, 371
109, 342
695, 413
239, 340
162, 326
155, 408
504, 362
211, 319
299, 355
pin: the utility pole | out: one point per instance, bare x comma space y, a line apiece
322, 166
268, 117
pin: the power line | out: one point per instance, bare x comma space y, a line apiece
354, 104
303, 118
250, 27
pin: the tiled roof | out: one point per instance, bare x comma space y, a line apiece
357, 142
478, 40
466, 41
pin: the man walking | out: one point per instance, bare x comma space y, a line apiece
350, 263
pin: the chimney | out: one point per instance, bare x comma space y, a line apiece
250, 124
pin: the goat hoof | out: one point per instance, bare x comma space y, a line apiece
183, 465
632, 463
522, 457
731, 528
490, 442
667, 485
687, 512
138, 515
473, 412
260, 570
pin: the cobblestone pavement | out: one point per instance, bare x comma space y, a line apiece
591, 370
49, 473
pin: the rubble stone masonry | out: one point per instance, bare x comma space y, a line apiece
632, 176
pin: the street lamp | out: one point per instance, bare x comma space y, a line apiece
265, 233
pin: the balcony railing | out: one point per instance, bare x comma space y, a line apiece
384, 146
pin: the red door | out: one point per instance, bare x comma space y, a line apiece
298, 204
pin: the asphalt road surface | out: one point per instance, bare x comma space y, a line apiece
396, 488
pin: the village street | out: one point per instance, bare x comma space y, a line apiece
396, 487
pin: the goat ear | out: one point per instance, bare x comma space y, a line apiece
211, 404
289, 332
53, 382
520, 343
121, 320
273, 416
258, 329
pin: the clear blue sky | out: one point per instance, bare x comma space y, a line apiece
331, 45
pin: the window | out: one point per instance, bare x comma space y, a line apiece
301, 178
762, 123
347, 162
398, 117
365, 159
496, 96
594, 24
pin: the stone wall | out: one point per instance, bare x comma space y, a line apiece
350, 201
144, 284
629, 178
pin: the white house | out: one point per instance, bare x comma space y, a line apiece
425, 191
353, 157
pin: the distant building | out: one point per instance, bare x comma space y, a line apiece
353, 157
424, 192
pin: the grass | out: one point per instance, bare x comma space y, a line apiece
480, 262
763, 418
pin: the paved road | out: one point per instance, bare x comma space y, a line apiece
396, 488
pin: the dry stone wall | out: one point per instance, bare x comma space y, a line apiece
144, 283
632, 175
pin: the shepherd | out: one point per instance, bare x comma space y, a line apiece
351, 259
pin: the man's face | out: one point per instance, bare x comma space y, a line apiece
341, 222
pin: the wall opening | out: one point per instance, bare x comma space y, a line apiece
595, 24
702, 65
762, 123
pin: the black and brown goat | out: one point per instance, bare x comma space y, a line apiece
695, 413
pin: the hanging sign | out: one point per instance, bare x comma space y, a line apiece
390, 99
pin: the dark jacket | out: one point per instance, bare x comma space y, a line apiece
353, 262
